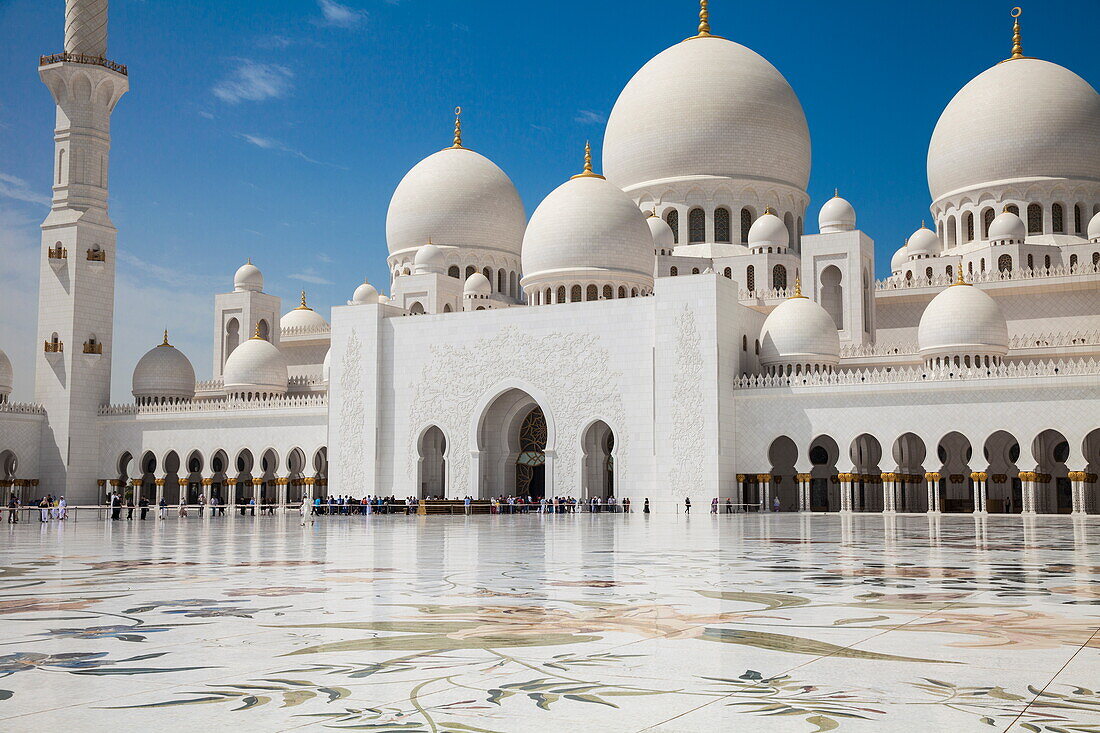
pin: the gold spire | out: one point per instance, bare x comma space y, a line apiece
303, 306
836, 193
1017, 44
166, 338
798, 289
249, 262
704, 22
769, 210
587, 172
458, 128
257, 334
652, 212
960, 279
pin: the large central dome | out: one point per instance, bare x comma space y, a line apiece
707, 107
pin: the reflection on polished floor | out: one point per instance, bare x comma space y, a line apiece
572, 622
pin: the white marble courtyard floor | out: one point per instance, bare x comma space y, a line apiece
553, 623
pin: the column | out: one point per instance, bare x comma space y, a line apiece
739, 496
207, 483
231, 492
889, 493
933, 480
1027, 481
803, 492
308, 491
101, 484
845, 480
116, 485
281, 491
257, 483
765, 481
160, 488
1077, 481
979, 478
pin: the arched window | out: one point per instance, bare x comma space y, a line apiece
757, 347
608, 294
1030, 262
949, 232
488, 273
575, 294
969, 268
447, 308
1095, 259
232, 337
561, 294
672, 218
987, 219
695, 271
1004, 263
968, 219
470, 270
264, 329
788, 221
512, 286
1077, 218
722, 224
750, 278
909, 275
728, 272
1034, 219
746, 224
672, 271
454, 272
1013, 209
1046, 262
798, 241
592, 293
928, 272
622, 292
548, 297
832, 294
779, 277
982, 263
500, 281
1073, 260
1057, 219
634, 292
697, 226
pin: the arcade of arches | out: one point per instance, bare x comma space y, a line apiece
996, 475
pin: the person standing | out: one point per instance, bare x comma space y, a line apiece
303, 511
143, 504
645, 507
62, 509
130, 508
687, 505
43, 510
13, 510
182, 511
252, 506
116, 507
714, 505
201, 503
729, 505
163, 504
775, 504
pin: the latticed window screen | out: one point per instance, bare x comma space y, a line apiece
722, 225
1057, 219
750, 278
746, 224
779, 277
697, 226
1004, 263
672, 218
987, 219
1034, 219
575, 293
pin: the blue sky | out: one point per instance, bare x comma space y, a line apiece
277, 129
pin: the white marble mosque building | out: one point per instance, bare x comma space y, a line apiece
664, 330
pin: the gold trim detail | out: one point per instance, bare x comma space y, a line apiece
458, 128
587, 172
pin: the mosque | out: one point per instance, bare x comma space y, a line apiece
665, 329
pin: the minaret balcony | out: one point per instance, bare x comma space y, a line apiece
93, 347
79, 58
97, 255
54, 347
57, 253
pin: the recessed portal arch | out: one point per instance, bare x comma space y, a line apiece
431, 477
515, 446
598, 448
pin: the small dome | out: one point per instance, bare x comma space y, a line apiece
365, 294
6, 375
164, 373
383, 300
587, 227
962, 321
897, 262
1007, 226
255, 366
429, 258
458, 198
768, 231
1020, 120
303, 318
837, 215
479, 285
923, 243
663, 236
326, 365
799, 331
1094, 228
248, 277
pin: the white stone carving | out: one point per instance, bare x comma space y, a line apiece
687, 441
352, 414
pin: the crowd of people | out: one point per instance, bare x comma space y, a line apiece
336, 505
48, 508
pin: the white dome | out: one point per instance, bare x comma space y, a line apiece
456, 198
429, 258
962, 320
7, 378
1022, 119
923, 243
326, 365
768, 231
248, 277
478, 284
799, 331
164, 372
585, 227
663, 236
707, 107
897, 262
837, 215
255, 366
1007, 226
364, 294
303, 318
383, 300
1094, 227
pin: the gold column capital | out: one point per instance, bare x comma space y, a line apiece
979, 476
208, 482
763, 477
257, 482
889, 477
1028, 476
231, 482
932, 476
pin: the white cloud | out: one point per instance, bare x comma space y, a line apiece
339, 15
269, 143
250, 81
588, 117
310, 276
13, 187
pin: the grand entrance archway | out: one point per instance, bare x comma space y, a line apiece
514, 441
599, 461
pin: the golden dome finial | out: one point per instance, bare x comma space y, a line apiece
249, 262
166, 338
704, 19
769, 210
836, 193
1017, 43
798, 289
257, 334
303, 306
960, 278
588, 172
458, 128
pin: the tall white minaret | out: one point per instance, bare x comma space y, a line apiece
77, 282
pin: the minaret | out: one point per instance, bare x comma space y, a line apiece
77, 282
